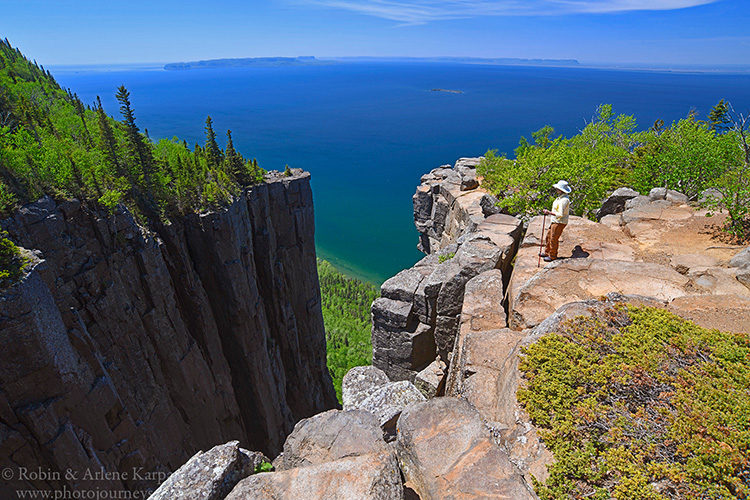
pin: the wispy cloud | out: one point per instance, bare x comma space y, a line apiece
422, 11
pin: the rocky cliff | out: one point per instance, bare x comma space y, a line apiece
124, 347
455, 325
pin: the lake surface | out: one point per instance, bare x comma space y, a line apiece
368, 131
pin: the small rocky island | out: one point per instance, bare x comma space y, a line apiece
450, 91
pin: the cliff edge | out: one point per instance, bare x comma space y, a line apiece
125, 348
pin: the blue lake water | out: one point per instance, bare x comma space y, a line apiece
368, 131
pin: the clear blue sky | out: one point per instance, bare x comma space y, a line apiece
592, 31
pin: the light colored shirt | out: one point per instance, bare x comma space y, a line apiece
561, 209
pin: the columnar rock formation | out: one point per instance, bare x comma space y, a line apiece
128, 348
417, 315
470, 438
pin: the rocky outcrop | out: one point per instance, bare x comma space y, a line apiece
330, 436
126, 347
210, 475
364, 477
445, 451
416, 318
359, 383
615, 203
660, 247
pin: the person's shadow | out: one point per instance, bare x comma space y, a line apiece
579, 253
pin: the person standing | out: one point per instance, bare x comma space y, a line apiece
559, 213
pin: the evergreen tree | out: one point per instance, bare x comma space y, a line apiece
109, 143
140, 153
234, 162
213, 152
718, 118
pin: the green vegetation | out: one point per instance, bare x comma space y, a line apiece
346, 314
690, 156
11, 261
641, 404
51, 143
446, 256
264, 467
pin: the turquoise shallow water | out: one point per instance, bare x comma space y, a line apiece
368, 131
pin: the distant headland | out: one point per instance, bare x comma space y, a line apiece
310, 60
246, 61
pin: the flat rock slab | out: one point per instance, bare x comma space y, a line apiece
332, 435
659, 248
446, 452
366, 477
729, 313
579, 279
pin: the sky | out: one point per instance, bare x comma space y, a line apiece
668, 32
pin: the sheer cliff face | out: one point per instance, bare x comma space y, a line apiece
126, 349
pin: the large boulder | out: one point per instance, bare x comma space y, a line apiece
210, 475
445, 451
374, 476
389, 401
329, 436
615, 203
359, 383
741, 260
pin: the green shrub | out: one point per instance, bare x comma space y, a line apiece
11, 261
445, 257
690, 156
641, 404
263, 467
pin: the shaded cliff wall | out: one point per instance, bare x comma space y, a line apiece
122, 348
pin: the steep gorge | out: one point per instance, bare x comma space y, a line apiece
127, 348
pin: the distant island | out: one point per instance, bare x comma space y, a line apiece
242, 62
245, 62
447, 90
500, 61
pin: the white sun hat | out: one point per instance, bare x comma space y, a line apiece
563, 186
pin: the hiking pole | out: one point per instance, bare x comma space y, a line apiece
541, 241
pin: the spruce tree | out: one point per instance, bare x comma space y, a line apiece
140, 154
109, 143
213, 152
139, 149
718, 118
234, 162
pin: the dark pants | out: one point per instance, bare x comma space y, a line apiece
552, 240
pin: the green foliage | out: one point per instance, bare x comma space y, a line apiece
287, 171
446, 256
11, 261
346, 313
51, 143
690, 156
641, 404
594, 162
263, 467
